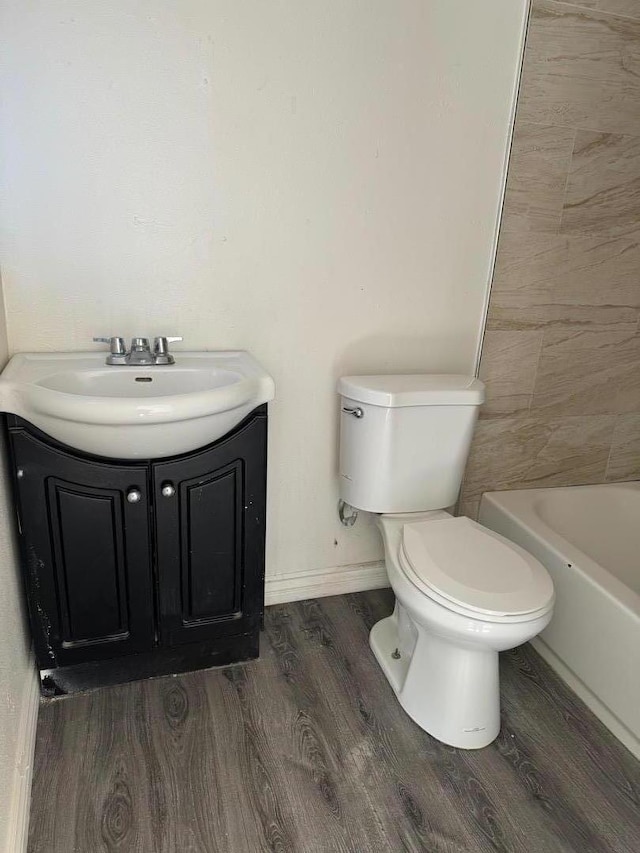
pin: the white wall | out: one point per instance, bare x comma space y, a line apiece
18, 684
317, 182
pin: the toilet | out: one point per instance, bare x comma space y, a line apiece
463, 593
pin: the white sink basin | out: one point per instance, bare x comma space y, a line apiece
125, 412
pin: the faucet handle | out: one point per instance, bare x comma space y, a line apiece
161, 349
116, 344
161, 344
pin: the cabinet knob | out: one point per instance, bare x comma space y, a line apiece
134, 496
168, 490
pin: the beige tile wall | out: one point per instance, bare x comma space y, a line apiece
561, 356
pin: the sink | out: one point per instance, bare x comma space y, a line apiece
129, 412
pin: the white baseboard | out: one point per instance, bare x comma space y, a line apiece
334, 581
18, 823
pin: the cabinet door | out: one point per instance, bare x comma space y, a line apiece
86, 554
210, 518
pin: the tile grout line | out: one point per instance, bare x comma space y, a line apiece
535, 376
613, 433
578, 128
566, 183
592, 10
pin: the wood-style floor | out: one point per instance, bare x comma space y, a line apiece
308, 751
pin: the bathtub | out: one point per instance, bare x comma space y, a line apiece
588, 537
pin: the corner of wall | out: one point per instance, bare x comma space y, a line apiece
4, 330
20, 791
19, 685
505, 170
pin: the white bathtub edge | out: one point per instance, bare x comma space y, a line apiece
617, 729
592, 640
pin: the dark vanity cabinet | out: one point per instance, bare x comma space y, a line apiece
141, 568
86, 553
209, 538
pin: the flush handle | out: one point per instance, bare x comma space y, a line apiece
134, 496
168, 490
355, 411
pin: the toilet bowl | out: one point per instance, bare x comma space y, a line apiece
463, 593
440, 653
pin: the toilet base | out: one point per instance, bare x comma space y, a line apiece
450, 691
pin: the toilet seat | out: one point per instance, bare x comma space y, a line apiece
474, 571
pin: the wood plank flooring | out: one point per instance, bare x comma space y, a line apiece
308, 751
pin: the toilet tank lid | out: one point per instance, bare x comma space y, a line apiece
413, 389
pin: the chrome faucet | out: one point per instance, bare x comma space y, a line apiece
140, 354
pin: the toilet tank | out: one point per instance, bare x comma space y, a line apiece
404, 439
